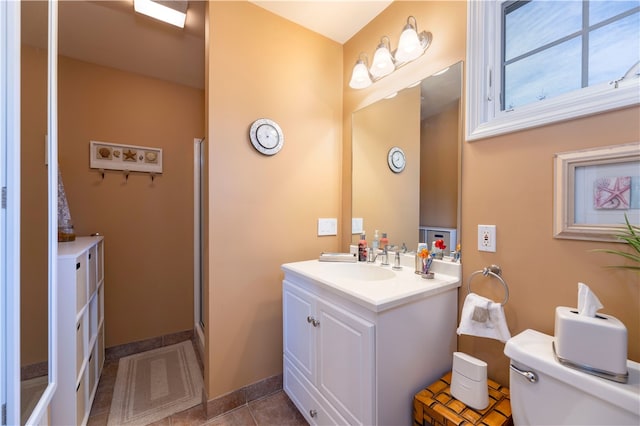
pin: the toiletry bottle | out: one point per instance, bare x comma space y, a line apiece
362, 248
384, 241
375, 243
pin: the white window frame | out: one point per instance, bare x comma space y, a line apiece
484, 117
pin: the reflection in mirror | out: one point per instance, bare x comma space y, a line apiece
424, 121
34, 337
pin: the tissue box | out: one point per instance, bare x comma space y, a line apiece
598, 342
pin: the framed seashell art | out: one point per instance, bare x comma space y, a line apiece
595, 191
111, 156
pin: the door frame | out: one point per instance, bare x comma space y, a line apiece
198, 240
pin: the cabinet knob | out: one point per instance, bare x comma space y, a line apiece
313, 413
312, 320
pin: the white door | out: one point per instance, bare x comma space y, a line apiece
346, 362
10, 185
10, 211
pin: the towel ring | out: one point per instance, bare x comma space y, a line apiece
495, 271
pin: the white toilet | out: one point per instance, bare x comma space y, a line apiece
545, 392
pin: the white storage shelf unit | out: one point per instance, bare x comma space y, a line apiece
80, 328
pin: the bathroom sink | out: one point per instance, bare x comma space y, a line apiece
374, 286
361, 271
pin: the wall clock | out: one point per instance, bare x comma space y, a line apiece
396, 159
266, 136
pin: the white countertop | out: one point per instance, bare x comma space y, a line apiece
393, 288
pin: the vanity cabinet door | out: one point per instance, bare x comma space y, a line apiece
329, 359
346, 362
299, 334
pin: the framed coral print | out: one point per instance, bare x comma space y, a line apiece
594, 190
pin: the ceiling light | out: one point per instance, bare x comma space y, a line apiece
360, 78
173, 12
382, 60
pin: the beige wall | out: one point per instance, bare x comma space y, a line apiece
508, 181
263, 210
379, 194
148, 226
439, 168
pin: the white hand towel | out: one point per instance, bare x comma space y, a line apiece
483, 317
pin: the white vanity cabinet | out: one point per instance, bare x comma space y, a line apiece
79, 329
328, 359
348, 362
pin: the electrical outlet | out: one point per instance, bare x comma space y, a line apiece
327, 226
487, 238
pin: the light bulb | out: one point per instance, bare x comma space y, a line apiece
360, 78
409, 47
382, 62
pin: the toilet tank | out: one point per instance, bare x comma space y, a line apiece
564, 396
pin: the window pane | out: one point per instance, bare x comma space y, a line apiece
540, 22
614, 49
601, 10
546, 74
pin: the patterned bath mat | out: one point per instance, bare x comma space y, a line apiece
153, 385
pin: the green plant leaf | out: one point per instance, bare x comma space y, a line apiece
630, 236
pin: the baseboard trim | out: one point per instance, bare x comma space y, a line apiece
116, 352
240, 397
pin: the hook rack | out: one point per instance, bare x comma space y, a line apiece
126, 173
496, 272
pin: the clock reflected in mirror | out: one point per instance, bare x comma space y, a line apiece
396, 159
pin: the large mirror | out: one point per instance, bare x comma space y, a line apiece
422, 201
34, 207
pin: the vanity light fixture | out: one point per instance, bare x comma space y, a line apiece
360, 78
411, 46
382, 60
173, 12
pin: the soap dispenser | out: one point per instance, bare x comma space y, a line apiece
375, 243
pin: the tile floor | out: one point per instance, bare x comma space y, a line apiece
272, 410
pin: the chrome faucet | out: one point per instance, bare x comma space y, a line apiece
396, 262
371, 256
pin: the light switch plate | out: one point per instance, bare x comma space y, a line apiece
357, 225
487, 238
327, 226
